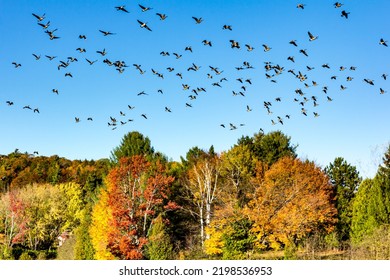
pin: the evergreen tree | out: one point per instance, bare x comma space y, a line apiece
133, 143
159, 246
345, 180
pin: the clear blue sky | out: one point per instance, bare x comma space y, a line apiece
355, 125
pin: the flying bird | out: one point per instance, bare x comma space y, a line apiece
121, 8
144, 25
106, 33
144, 9
227, 27
162, 16
39, 18
345, 14
301, 6
383, 42
311, 36
197, 20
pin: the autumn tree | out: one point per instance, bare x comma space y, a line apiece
137, 193
237, 168
203, 187
345, 180
292, 199
100, 225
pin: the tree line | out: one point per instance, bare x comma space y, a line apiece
249, 202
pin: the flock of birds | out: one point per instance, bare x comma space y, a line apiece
213, 73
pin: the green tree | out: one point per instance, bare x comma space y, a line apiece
345, 180
160, 245
269, 147
133, 143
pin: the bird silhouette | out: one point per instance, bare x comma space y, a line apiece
144, 25
383, 42
106, 33
162, 16
197, 20
121, 8
144, 9
39, 18
345, 14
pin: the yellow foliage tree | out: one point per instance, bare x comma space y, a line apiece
292, 199
101, 215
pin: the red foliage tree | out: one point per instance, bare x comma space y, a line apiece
138, 192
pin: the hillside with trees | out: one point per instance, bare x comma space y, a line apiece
257, 200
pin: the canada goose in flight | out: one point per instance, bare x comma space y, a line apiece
121, 8
301, 6
232, 126
168, 110
44, 26
162, 16
188, 105
222, 125
77, 119
50, 57
177, 55
81, 50
71, 59
337, 5
197, 20
227, 27
248, 109
329, 99
291, 58
342, 68
333, 77
89, 119
144, 9
206, 42
369, 81
266, 48
144, 25
384, 76
103, 52
39, 18
27, 107
343, 87
179, 75
53, 37
36, 110
189, 48
234, 44
249, 48
130, 107
248, 81
352, 68
9, 103
37, 57
68, 75
303, 51
316, 115
144, 116
106, 33
349, 79
142, 93
382, 91
345, 14
81, 36
17, 65
164, 53
90, 62
311, 36
54, 90
122, 114
294, 43
383, 42
326, 65
170, 69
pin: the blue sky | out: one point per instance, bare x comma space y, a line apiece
354, 125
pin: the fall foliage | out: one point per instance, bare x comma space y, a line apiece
292, 199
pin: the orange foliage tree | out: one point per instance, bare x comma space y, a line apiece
137, 193
292, 199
